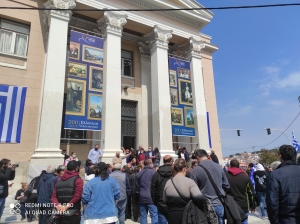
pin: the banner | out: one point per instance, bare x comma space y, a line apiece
85, 82
182, 113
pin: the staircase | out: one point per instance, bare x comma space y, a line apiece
7, 217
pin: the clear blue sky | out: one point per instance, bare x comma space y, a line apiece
257, 71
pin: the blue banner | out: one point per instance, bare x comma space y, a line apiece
85, 83
182, 113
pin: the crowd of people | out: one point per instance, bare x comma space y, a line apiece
190, 189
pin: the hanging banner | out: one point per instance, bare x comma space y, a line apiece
85, 82
182, 113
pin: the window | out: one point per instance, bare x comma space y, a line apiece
13, 38
126, 63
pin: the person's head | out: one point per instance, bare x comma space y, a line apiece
274, 165
96, 147
178, 148
136, 169
73, 155
60, 170
184, 149
212, 151
250, 166
73, 166
64, 152
24, 185
201, 155
260, 167
88, 162
133, 161
235, 163
142, 150
156, 150
148, 162
4, 163
168, 160
117, 154
101, 170
118, 166
194, 164
150, 148
140, 147
179, 166
287, 152
51, 169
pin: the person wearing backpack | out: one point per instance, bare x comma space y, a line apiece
260, 178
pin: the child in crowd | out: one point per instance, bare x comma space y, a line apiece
22, 199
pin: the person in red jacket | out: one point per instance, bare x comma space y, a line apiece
142, 156
67, 193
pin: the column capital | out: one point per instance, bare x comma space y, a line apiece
158, 37
58, 4
144, 51
112, 22
192, 48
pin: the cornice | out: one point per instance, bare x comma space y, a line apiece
195, 4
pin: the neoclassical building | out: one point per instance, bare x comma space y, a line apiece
34, 52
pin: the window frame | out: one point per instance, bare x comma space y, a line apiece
13, 40
122, 64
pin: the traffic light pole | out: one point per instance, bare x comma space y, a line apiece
289, 142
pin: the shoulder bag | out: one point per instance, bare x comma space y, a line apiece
232, 211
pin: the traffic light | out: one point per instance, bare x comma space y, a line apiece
239, 132
268, 131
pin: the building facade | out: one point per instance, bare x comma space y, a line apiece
34, 49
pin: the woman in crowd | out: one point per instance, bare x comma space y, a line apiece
90, 173
156, 159
20, 196
179, 191
88, 163
99, 197
73, 156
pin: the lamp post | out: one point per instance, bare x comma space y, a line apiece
289, 142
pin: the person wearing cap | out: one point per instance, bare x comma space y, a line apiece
125, 190
67, 194
260, 178
100, 196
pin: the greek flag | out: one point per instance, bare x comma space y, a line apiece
12, 100
295, 143
252, 178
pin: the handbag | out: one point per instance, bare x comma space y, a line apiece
232, 211
208, 210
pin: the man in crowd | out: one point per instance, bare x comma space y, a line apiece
283, 189
135, 195
183, 153
45, 190
7, 172
214, 157
249, 170
150, 153
158, 183
204, 184
241, 188
67, 193
125, 190
260, 178
143, 184
118, 158
95, 154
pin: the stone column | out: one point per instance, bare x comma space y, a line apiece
193, 49
158, 40
146, 129
111, 26
48, 137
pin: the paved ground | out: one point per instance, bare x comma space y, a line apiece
8, 218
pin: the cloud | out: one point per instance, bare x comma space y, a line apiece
271, 69
240, 111
292, 80
276, 102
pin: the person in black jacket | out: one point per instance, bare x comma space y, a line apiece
158, 183
283, 189
241, 188
135, 195
7, 172
260, 178
214, 157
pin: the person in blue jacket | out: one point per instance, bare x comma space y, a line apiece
100, 196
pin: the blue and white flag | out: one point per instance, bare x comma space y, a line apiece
295, 143
252, 177
12, 101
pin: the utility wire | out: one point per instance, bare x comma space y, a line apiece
271, 141
160, 9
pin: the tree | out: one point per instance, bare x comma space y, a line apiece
267, 157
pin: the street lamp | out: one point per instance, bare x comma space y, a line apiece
269, 132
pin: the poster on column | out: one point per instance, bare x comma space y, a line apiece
84, 84
181, 97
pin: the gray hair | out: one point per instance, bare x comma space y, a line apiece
117, 166
275, 164
51, 169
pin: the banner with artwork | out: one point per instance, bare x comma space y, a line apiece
181, 97
84, 84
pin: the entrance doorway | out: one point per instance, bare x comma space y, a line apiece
128, 124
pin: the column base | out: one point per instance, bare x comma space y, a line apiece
41, 159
